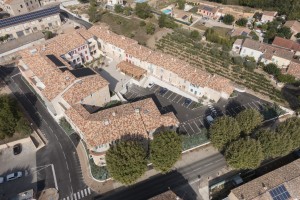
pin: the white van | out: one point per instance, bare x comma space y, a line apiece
13, 176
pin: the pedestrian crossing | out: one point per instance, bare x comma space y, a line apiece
212, 109
79, 195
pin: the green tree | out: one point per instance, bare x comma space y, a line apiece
254, 36
285, 32
241, 22
94, 15
23, 126
272, 69
48, 35
126, 161
142, 23
150, 28
166, 21
244, 154
195, 34
143, 10
297, 35
228, 19
181, 4
285, 78
166, 148
9, 116
291, 129
273, 144
248, 120
118, 8
238, 60
250, 65
223, 131
191, 19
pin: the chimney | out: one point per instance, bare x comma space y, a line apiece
106, 122
114, 113
264, 186
137, 110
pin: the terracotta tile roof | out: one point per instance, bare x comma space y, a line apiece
238, 42
189, 73
113, 123
268, 50
108, 36
69, 41
294, 25
83, 88
287, 175
287, 44
84, 33
270, 13
138, 51
131, 69
54, 79
294, 69
240, 31
208, 8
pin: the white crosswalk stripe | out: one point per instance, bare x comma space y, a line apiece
82, 193
89, 190
75, 197
85, 192
79, 195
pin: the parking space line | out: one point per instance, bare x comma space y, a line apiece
156, 89
179, 99
175, 97
191, 127
255, 105
167, 93
250, 105
185, 130
200, 121
189, 105
170, 95
197, 126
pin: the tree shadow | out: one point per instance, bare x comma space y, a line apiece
233, 107
291, 95
153, 186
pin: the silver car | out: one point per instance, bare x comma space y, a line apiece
14, 176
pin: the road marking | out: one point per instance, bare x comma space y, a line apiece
192, 128
82, 194
54, 177
170, 95
60, 144
256, 106
78, 194
89, 190
189, 104
51, 129
197, 126
175, 97
68, 198
65, 155
250, 105
75, 197
56, 136
186, 130
179, 99
85, 192
156, 89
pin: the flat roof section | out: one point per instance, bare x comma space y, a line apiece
29, 16
81, 72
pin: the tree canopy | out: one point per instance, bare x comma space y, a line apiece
248, 120
241, 22
181, 4
165, 150
244, 154
150, 28
166, 21
291, 129
271, 69
94, 15
143, 10
228, 19
11, 119
195, 34
126, 161
273, 144
223, 131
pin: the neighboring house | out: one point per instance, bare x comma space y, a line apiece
294, 69
266, 53
237, 45
208, 11
280, 184
19, 7
240, 32
268, 16
294, 26
18, 26
287, 44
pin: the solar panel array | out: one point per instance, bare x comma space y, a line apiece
29, 16
280, 193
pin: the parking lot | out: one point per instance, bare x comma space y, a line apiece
193, 119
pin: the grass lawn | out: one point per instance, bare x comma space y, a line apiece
128, 27
222, 31
16, 136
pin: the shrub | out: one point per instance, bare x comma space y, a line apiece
118, 8
238, 60
271, 69
241, 22
142, 23
228, 19
150, 28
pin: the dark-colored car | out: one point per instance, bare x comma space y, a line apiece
187, 102
163, 91
17, 149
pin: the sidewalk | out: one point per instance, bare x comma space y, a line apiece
103, 187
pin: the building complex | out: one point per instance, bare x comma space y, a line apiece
18, 7
69, 90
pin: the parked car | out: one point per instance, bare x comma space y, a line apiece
150, 85
187, 102
1, 179
163, 91
17, 149
209, 119
13, 176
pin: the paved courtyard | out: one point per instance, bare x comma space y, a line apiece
193, 116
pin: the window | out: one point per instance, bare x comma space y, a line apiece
87, 58
191, 90
26, 4
78, 59
161, 70
21, 6
31, 2
85, 52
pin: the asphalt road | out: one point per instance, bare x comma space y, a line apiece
174, 181
59, 151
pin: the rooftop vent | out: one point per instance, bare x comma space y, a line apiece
137, 110
114, 114
264, 186
33, 51
67, 77
106, 122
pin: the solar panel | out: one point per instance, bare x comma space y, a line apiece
280, 193
29, 16
55, 60
82, 72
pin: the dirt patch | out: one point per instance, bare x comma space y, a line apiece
157, 36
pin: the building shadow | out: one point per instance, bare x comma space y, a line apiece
291, 94
153, 186
112, 81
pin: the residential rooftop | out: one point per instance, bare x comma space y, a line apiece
264, 186
270, 13
287, 44
293, 24
111, 124
131, 70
